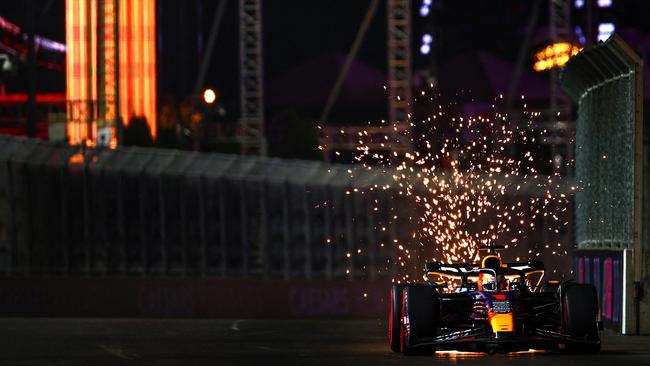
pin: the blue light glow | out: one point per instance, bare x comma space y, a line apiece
425, 49
605, 30
580, 34
604, 3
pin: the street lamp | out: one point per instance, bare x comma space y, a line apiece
209, 96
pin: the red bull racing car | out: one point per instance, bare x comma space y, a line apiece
495, 307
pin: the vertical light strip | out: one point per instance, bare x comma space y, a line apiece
83, 72
146, 59
124, 66
93, 100
110, 82
144, 27
76, 69
137, 61
151, 75
70, 11
135, 21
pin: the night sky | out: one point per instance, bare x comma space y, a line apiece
298, 31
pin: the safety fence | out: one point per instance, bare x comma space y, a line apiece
135, 211
604, 81
139, 211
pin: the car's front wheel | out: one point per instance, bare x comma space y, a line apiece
418, 319
395, 318
580, 304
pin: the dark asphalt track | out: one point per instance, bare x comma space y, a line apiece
250, 342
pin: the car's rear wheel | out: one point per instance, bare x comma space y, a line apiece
580, 304
418, 319
395, 318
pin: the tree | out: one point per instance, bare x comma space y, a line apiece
137, 133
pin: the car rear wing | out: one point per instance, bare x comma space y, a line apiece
460, 270
527, 268
449, 270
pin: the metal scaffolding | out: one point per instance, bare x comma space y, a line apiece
561, 127
251, 124
393, 136
399, 72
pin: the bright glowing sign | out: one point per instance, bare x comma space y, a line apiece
554, 55
98, 82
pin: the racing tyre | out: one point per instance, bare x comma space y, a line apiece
418, 319
395, 318
580, 305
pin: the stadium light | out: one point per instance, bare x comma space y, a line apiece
604, 3
581, 35
605, 30
209, 96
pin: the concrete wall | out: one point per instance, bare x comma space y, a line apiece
192, 297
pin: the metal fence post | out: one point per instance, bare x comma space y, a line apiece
222, 228
244, 230
371, 247
263, 234
202, 225
285, 230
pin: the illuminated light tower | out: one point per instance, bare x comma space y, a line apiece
110, 67
427, 30
605, 26
426, 44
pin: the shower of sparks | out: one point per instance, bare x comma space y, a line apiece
469, 181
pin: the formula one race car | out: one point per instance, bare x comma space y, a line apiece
495, 307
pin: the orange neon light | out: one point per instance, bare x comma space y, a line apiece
555, 55
92, 134
110, 71
133, 84
138, 56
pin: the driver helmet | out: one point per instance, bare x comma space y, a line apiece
488, 281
